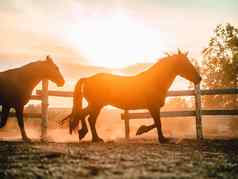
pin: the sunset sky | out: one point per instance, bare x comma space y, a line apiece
107, 33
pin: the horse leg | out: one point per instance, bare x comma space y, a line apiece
143, 129
84, 129
155, 113
4, 115
19, 114
92, 122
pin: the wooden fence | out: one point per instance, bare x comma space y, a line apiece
198, 112
44, 94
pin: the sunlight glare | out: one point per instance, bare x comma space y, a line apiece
116, 41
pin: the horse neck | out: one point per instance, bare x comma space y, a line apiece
31, 75
163, 73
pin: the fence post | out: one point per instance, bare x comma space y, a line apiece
44, 109
198, 112
127, 127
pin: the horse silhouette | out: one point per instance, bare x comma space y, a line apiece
146, 90
16, 86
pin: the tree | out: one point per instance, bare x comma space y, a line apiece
220, 66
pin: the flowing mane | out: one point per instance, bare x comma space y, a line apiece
157, 66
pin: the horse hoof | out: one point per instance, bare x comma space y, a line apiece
142, 129
2, 124
82, 133
98, 140
26, 139
164, 140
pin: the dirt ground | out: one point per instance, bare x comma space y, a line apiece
119, 159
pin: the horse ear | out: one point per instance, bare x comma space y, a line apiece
186, 53
167, 53
48, 59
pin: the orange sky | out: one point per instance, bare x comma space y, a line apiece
106, 33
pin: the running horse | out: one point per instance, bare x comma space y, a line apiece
16, 86
146, 90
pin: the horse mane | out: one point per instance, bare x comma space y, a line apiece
24, 67
160, 62
31, 64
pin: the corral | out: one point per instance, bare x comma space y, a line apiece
133, 158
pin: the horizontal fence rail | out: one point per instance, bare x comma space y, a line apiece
55, 93
202, 92
36, 97
170, 93
143, 115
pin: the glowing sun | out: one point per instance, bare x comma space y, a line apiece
116, 41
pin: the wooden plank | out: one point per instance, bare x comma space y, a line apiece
36, 97
180, 93
219, 91
198, 112
203, 92
144, 115
127, 125
172, 93
177, 113
44, 109
220, 112
57, 93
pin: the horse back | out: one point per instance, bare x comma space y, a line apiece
128, 92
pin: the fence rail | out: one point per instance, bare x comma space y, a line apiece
170, 93
144, 115
66, 94
203, 92
43, 96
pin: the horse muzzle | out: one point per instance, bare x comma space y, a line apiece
60, 83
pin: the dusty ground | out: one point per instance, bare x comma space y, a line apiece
134, 159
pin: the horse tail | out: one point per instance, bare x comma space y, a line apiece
77, 105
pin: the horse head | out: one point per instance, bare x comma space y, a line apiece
186, 69
52, 72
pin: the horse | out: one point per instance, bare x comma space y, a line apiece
16, 86
145, 90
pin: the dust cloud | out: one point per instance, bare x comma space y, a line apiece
111, 127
